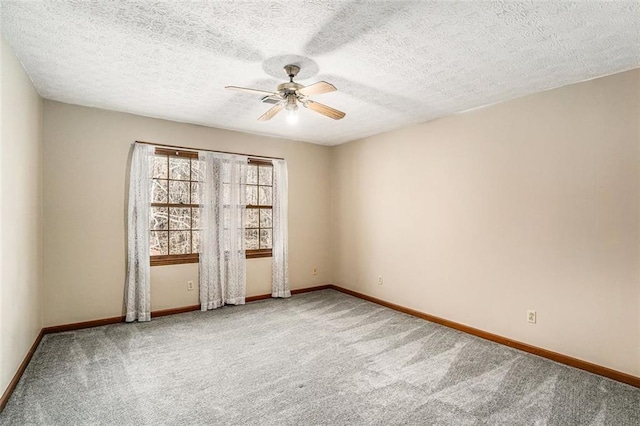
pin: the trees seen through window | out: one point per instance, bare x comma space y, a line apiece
174, 213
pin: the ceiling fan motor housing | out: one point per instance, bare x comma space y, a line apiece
289, 88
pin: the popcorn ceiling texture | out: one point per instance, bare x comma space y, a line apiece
394, 63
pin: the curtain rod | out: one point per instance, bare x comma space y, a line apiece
209, 150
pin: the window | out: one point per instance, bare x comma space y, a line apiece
174, 215
258, 221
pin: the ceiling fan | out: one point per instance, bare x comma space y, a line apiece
289, 95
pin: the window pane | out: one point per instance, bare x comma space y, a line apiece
265, 218
265, 175
252, 174
159, 191
195, 193
252, 195
158, 218
159, 169
251, 220
265, 238
197, 170
158, 243
251, 239
180, 218
195, 218
179, 192
196, 241
179, 168
265, 195
179, 242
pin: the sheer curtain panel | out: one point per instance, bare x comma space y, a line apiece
280, 276
222, 210
137, 299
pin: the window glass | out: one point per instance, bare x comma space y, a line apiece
174, 219
259, 198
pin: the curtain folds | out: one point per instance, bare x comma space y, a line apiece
137, 298
280, 277
222, 256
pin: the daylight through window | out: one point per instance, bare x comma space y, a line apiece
174, 217
259, 221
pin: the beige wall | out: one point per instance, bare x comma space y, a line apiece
20, 215
529, 204
86, 151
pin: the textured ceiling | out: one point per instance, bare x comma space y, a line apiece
394, 63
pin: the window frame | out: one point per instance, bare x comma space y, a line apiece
258, 253
175, 259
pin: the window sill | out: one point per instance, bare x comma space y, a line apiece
175, 259
195, 258
254, 254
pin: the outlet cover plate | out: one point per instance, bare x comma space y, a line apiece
532, 316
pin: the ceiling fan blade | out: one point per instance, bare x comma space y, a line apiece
247, 90
271, 112
325, 110
318, 88
273, 99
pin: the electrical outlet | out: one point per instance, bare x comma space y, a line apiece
189, 285
380, 280
532, 317
315, 270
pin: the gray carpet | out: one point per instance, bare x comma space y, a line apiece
317, 358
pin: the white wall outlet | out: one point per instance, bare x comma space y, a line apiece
189, 285
315, 270
532, 317
380, 280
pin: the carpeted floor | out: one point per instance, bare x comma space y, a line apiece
317, 358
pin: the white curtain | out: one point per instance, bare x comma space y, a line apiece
280, 276
137, 299
222, 254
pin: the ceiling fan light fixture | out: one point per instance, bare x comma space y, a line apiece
292, 113
292, 109
292, 102
292, 116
